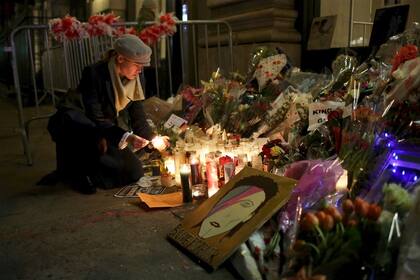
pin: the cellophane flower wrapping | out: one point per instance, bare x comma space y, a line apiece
317, 179
408, 266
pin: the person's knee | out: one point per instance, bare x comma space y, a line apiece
135, 172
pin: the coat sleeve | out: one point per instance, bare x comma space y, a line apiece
139, 120
93, 97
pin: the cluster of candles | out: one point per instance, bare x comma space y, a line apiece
201, 169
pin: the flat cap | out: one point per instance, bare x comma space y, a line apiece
133, 48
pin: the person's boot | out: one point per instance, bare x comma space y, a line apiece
50, 179
85, 185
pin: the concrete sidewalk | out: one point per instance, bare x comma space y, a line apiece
57, 233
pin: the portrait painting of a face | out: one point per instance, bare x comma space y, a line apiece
236, 207
213, 230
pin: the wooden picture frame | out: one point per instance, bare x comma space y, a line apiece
215, 229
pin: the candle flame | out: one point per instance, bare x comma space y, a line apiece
170, 165
194, 160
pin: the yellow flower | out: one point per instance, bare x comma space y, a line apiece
276, 151
243, 107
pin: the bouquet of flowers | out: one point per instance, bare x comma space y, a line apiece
99, 25
68, 28
236, 107
275, 154
166, 27
338, 244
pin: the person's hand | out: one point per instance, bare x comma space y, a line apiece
160, 143
137, 142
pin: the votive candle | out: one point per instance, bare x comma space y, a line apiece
170, 165
195, 171
212, 177
185, 173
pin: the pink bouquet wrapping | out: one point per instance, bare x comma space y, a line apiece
317, 179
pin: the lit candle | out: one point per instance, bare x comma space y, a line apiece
158, 143
179, 159
202, 154
242, 162
199, 192
229, 170
212, 178
185, 173
222, 162
195, 171
170, 165
256, 161
341, 185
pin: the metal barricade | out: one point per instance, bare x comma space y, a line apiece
44, 67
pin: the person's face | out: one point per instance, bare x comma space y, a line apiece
128, 68
230, 216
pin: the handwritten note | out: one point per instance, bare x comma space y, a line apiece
318, 112
174, 121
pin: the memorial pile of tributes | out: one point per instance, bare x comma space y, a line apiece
351, 140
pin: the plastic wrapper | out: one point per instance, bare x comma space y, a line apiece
277, 114
407, 82
264, 245
258, 258
317, 179
316, 144
373, 75
397, 202
312, 83
296, 118
388, 50
343, 67
221, 100
408, 267
245, 264
157, 110
257, 247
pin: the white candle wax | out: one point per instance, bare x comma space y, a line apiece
170, 165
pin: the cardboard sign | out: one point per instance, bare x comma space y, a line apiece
318, 112
215, 229
174, 121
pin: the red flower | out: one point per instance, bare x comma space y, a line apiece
266, 149
110, 18
67, 22
334, 118
151, 34
336, 114
167, 18
406, 52
192, 95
